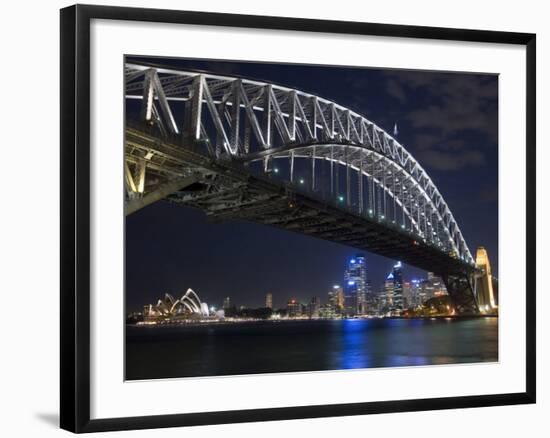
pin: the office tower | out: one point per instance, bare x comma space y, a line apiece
313, 307
407, 295
355, 283
417, 297
387, 293
397, 301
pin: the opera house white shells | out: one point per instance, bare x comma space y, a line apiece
188, 305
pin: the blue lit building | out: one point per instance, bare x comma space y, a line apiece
356, 287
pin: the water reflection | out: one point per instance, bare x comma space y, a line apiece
355, 348
267, 347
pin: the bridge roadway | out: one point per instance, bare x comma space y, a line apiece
227, 190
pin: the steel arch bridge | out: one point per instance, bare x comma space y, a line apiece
243, 149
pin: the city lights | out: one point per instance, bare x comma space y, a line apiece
359, 298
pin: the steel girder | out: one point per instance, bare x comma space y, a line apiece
460, 289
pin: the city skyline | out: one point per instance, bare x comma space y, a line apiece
358, 294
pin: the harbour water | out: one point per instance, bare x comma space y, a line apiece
309, 345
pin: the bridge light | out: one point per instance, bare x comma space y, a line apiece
403, 226
301, 180
370, 211
341, 198
276, 170
382, 217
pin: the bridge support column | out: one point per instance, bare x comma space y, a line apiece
460, 289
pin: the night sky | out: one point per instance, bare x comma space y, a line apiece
448, 121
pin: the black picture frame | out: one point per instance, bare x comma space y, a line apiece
75, 217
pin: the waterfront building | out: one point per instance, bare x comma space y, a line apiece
327, 311
314, 307
427, 290
188, 306
431, 287
293, 308
269, 301
438, 285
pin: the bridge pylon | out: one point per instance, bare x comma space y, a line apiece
460, 287
485, 291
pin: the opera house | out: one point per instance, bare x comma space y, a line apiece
188, 306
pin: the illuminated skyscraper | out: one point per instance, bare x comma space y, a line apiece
387, 295
397, 302
336, 299
355, 283
417, 294
407, 295
269, 301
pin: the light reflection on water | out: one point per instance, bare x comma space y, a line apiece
267, 347
355, 346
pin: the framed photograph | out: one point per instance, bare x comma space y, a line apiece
284, 218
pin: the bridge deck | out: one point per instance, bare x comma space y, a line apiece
227, 191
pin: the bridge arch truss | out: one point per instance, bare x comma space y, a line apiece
303, 140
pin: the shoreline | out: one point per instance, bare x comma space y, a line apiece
247, 321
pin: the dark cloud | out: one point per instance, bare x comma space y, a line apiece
454, 122
488, 194
446, 161
395, 89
